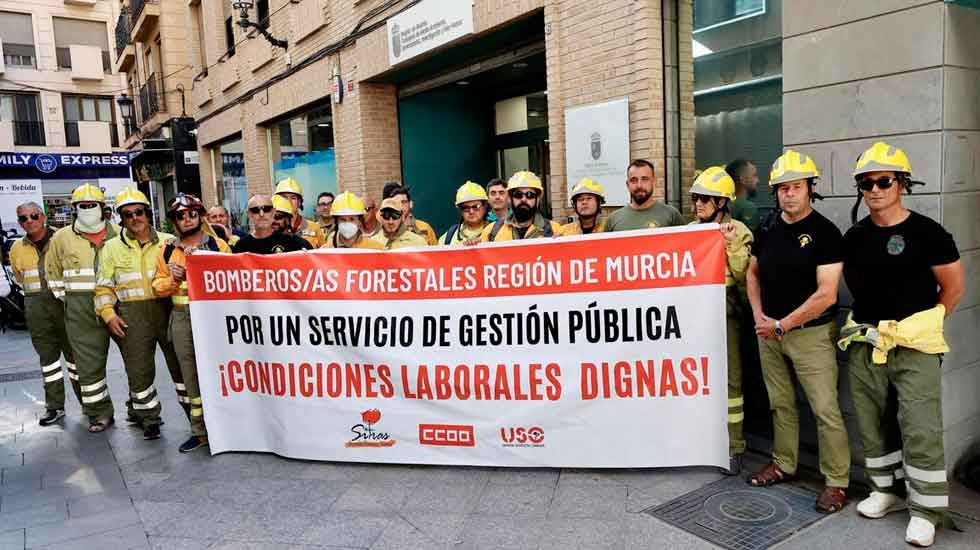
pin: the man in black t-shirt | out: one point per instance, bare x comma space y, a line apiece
899, 264
263, 239
792, 286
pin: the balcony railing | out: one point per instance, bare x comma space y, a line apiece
123, 28
136, 6
73, 139
63, 56
151, 99
28, 132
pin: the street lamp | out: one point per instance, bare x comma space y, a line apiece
126, 110
243, 22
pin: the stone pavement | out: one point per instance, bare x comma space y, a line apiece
62, 488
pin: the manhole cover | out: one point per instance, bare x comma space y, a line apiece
732, 515
18, 376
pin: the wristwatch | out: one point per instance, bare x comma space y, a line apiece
779, 329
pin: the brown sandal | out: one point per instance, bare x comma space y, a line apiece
100, 425
832, 499
770, 475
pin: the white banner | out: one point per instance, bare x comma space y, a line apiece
426, 26
602, 351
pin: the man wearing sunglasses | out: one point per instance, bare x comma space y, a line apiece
394, 233
415, 225
45, 314
524, 222
70, 264
904, 272
712, 194
186, 212
371, 225
792, 286
472, 202
644, 211
308, 230
137, 319
348, 214
587, 199
264, 239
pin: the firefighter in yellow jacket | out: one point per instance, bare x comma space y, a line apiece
45, 314
135, 317
587, 200
309, 230
474, 207
70, 265
348, 214
193, 233
524, 222
712, 194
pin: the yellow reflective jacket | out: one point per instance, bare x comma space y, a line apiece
461, 234
922, 331
540, 227
163, 284
27, 263
311, 232
72, 260
422, 229
738, 252
361, 242
402, 239
126, 270
574, 228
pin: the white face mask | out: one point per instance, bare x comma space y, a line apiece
347, 229
89, 220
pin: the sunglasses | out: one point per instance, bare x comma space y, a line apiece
701, 198
130, 214
265, 209
87, 206
188, 215
280, 217
390, 214
523, 195
35, 216
470, 208
883, 183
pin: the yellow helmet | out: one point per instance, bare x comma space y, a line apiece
289, 185
470, 191
347, 204
883, 157
792, 166
87, 193
524, 179
714, 182
282, 204
585, 186
130, 196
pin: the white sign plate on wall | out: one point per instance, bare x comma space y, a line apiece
427, 25
597, 146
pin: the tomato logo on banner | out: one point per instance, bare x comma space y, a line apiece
447, 435
522, 437
365, 434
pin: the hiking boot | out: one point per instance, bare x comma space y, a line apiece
51, 416
151, 432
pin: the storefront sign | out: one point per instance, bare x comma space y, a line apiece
427, 25
48, 163
14, 193
597, 146
603, 351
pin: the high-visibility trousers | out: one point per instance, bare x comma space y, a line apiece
902, 431
46, 322
89, 340
147, 322
736, 402
183, 341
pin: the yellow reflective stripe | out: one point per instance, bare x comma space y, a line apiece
102, 301
147, 406
736, 402
31, 273
127, 277
145, 393
95, 398
92, 387
83, 272
32, 286
929, 501
180, 386
181, 300
48, 369
736, 418
927, 476
882, 461
54, 377
124, 293
196, 401
69, 285
197, 411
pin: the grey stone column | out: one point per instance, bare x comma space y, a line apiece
907, 72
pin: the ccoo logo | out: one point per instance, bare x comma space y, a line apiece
522, 437
446, 435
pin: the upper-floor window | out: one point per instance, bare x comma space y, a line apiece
23, 111
87, 108
17, 34
79, 32
708, 13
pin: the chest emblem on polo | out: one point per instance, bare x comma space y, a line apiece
805, 240
278, 249
652, 225
896, 244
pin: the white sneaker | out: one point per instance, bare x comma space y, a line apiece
878, 505
920, 532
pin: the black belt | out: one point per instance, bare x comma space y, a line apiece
822, 320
